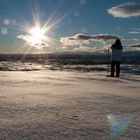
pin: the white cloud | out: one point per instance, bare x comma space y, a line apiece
29, 39
135, 39
132, 39
135, 29
86, 43
79, 39
134, 32
126, 10
134, 45
82, 48
67, 42
24, 37
70, 42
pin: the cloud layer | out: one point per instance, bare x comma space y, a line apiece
86, 43
126, 10
29, 39
134, 31
93, 37
84, 39
134, 45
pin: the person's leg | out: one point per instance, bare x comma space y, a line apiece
112, 68
118, 69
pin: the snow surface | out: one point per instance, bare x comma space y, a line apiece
62, 105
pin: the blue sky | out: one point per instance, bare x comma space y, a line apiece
68, 18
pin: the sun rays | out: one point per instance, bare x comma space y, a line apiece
38, 30
35, 33
37, 36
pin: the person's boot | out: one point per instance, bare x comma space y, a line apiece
112, 74
117, 75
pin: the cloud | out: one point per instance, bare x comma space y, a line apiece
134, 45
132, 39
135, 39
93, 37
81, 48
126, 10
86, 43
24, 37
29, 39
134, 32
135, 29
85, 39
69, 42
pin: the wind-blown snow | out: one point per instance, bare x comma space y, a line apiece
69, 105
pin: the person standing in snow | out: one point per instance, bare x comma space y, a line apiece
116, 58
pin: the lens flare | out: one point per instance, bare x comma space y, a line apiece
34, 32
118, 123
37, 35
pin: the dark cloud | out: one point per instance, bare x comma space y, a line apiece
130, 9
84, 39
94, 37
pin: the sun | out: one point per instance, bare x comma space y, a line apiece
37, 35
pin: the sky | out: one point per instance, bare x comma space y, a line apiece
68, 25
